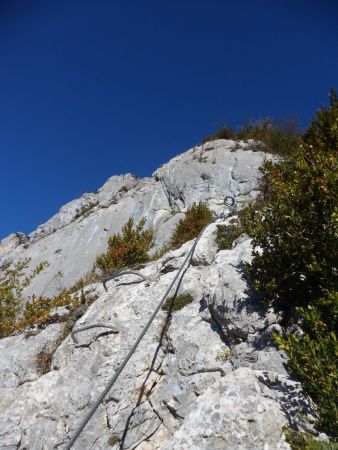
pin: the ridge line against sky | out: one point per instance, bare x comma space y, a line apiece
94, 89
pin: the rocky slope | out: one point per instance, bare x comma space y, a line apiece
71, 240
206, 377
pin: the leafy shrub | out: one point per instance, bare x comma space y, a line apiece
323, 130
297, 228
226, 234
196, 217
295, 270
17, 314
126, 249
38, 311
313, 357
173, 304
12, 283
280, 137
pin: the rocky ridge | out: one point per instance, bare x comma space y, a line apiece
71, 240
205, 377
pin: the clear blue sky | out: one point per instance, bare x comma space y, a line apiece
90, 89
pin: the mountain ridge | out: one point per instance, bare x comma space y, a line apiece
80, 230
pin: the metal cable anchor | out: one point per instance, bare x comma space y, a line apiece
229, 201
118, 274
88, 327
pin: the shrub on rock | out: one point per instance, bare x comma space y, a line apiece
126, 249
297, 228
294, 267
196, 217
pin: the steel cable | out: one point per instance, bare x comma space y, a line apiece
145, 329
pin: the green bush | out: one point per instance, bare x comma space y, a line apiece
323, 130
196, 217
297, 228
313, 357
12, 283
226, 234
295, 268
17, 313
126, 249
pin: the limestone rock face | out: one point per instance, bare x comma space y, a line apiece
71, 240
12, 241
206, 376
195, 382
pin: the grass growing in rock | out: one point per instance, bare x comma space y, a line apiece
113, 440
196, 217
278, 137
299, 441
173, 304
43, 359
85, 211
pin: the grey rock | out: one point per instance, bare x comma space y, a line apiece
72, 239
8, 244
233, 414
186, 388
18, 355
206, 377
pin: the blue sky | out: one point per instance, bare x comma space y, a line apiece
90, 89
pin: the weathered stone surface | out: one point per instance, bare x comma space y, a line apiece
233, 414
206, 377
185, 388
18, 362
12, 241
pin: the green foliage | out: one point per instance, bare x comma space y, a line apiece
12, 283
17, 314
226, 234
295, 270
173, 304
323, 131
313, 357
300, 441
280, 137
38, 311
126, 249
297, 228
196, 217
